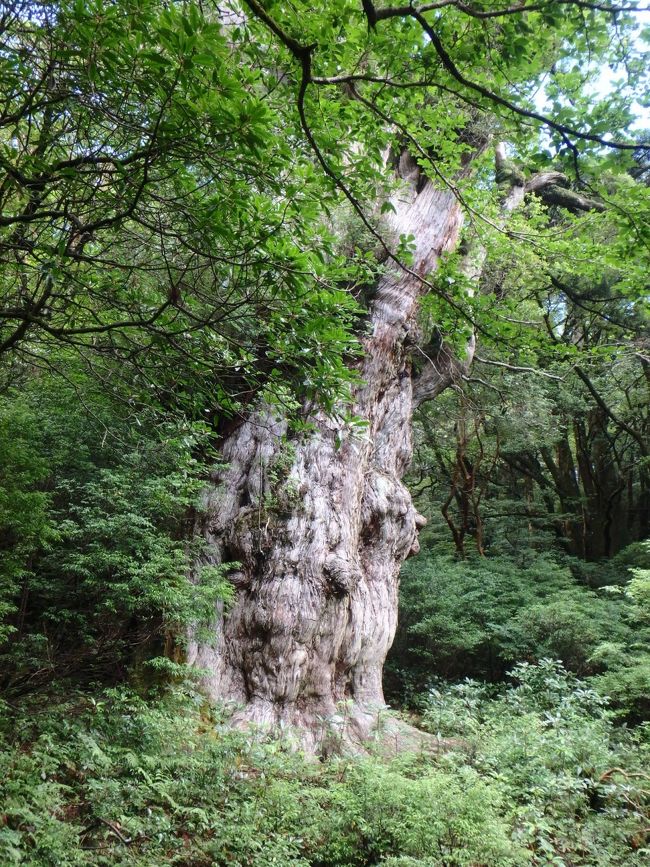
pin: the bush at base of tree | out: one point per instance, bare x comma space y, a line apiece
94, 555
538, 775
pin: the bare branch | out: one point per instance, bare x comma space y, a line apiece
517, 368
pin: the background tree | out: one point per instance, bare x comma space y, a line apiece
533, 469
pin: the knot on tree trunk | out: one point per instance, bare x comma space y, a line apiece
341, 573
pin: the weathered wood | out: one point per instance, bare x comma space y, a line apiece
321, 526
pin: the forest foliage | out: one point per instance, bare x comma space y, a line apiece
536, 775
192, 215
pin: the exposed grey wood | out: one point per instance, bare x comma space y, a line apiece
321, 527
321, 549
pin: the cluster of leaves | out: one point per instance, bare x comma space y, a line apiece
159, 208
95, 782
575, 784
153, 212
626, 675
477, 617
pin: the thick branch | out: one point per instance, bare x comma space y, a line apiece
516, 9
445, 368
553, 188
569, 199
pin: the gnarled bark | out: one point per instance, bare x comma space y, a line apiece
321, 525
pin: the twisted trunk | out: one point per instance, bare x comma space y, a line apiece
322, 524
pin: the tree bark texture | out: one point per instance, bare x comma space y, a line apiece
321, 524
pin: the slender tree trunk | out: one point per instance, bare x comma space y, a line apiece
321, 525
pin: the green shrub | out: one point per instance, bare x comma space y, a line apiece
94, 782
575, 784
477, 617
537, 775
411, 809
94, 506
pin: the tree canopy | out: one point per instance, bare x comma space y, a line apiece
174, 172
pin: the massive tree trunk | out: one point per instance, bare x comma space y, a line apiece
320, 525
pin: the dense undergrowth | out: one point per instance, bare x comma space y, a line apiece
535, 774
171, 255
97, 498
479, 616
536, 768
